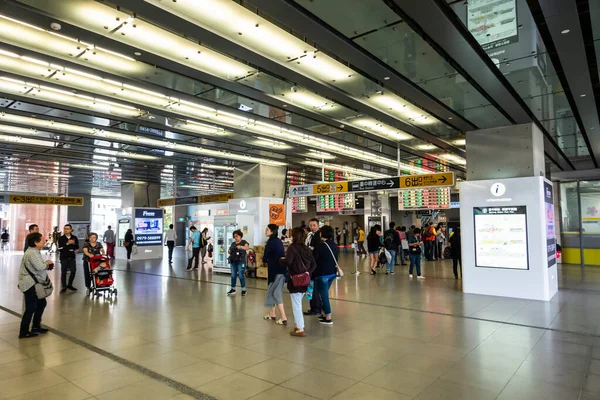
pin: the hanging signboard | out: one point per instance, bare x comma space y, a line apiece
190, 200
51, 200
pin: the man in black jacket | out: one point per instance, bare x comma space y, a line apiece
68, 245
313, 241
391, 241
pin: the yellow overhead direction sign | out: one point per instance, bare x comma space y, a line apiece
441, 179
53, 200
329, 188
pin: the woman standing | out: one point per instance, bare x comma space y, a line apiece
415, 249
32, 265
237, 259
456, 251
277, 275
440, 239
284, 234
128, 243
91, 249
300, 260
204, 238
326, 272
404, 244
373, 244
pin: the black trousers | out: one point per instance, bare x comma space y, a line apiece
171, 246
129, 248
316, 304
429, 250
87, 276
455, 262
67, 265
195, 257
34, 308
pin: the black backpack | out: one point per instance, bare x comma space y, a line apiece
389, 241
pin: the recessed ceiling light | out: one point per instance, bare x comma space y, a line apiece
565, 31
387, 78
137, 53
449, 117
583, 95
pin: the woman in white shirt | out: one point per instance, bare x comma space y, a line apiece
32, 265
170, 238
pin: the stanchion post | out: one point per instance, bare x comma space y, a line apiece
355, 245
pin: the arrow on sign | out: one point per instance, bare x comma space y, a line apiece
391, 183
443, 179
340, 187
294, 190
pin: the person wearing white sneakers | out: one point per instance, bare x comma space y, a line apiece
414, 246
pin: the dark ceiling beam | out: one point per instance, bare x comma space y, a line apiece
438, 24
295, 17
174, 23
28, 15
569, 55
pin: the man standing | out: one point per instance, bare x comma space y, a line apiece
68, 245
196, 243
33, 228
5, 239
391, 241
109, 239
313, 241
170, 238
429, 233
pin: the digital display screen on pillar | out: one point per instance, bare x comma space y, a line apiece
550, 232
148, 227
501, 237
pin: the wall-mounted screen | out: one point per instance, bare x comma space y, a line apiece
148, 227
501, 237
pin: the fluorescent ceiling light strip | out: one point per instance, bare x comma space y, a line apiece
241, 25
239, 121
107, 134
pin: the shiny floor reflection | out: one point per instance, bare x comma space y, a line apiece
393, 338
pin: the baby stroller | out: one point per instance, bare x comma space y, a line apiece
102, 277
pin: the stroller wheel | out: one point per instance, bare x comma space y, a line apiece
115, 292
87, 292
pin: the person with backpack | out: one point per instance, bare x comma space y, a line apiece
391, 242
429, 235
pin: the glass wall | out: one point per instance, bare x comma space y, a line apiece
104, 213
20, 216
580, 222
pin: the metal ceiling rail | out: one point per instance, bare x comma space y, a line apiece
25, 14
294, 17
437, 23
174, 23
559, 25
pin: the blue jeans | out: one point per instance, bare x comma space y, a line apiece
322, 285
415, 261
390, 264
238, 268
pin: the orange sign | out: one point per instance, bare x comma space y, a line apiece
277, 214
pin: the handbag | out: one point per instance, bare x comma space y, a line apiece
340, 272
300, 280
42, 289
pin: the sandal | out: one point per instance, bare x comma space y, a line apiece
373, 272
269, 318
281, 322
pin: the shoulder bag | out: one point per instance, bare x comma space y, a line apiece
42, 289
301, 280
340, 272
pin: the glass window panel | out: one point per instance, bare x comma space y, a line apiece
521, 56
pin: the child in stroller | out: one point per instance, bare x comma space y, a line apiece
102, 276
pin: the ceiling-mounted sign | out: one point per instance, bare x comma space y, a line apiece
330, 188
375, 184
441, 179
434, 180
493, 23
51, 200
190, 200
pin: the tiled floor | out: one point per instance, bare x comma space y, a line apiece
392, 339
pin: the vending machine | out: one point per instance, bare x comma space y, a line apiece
224, 227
